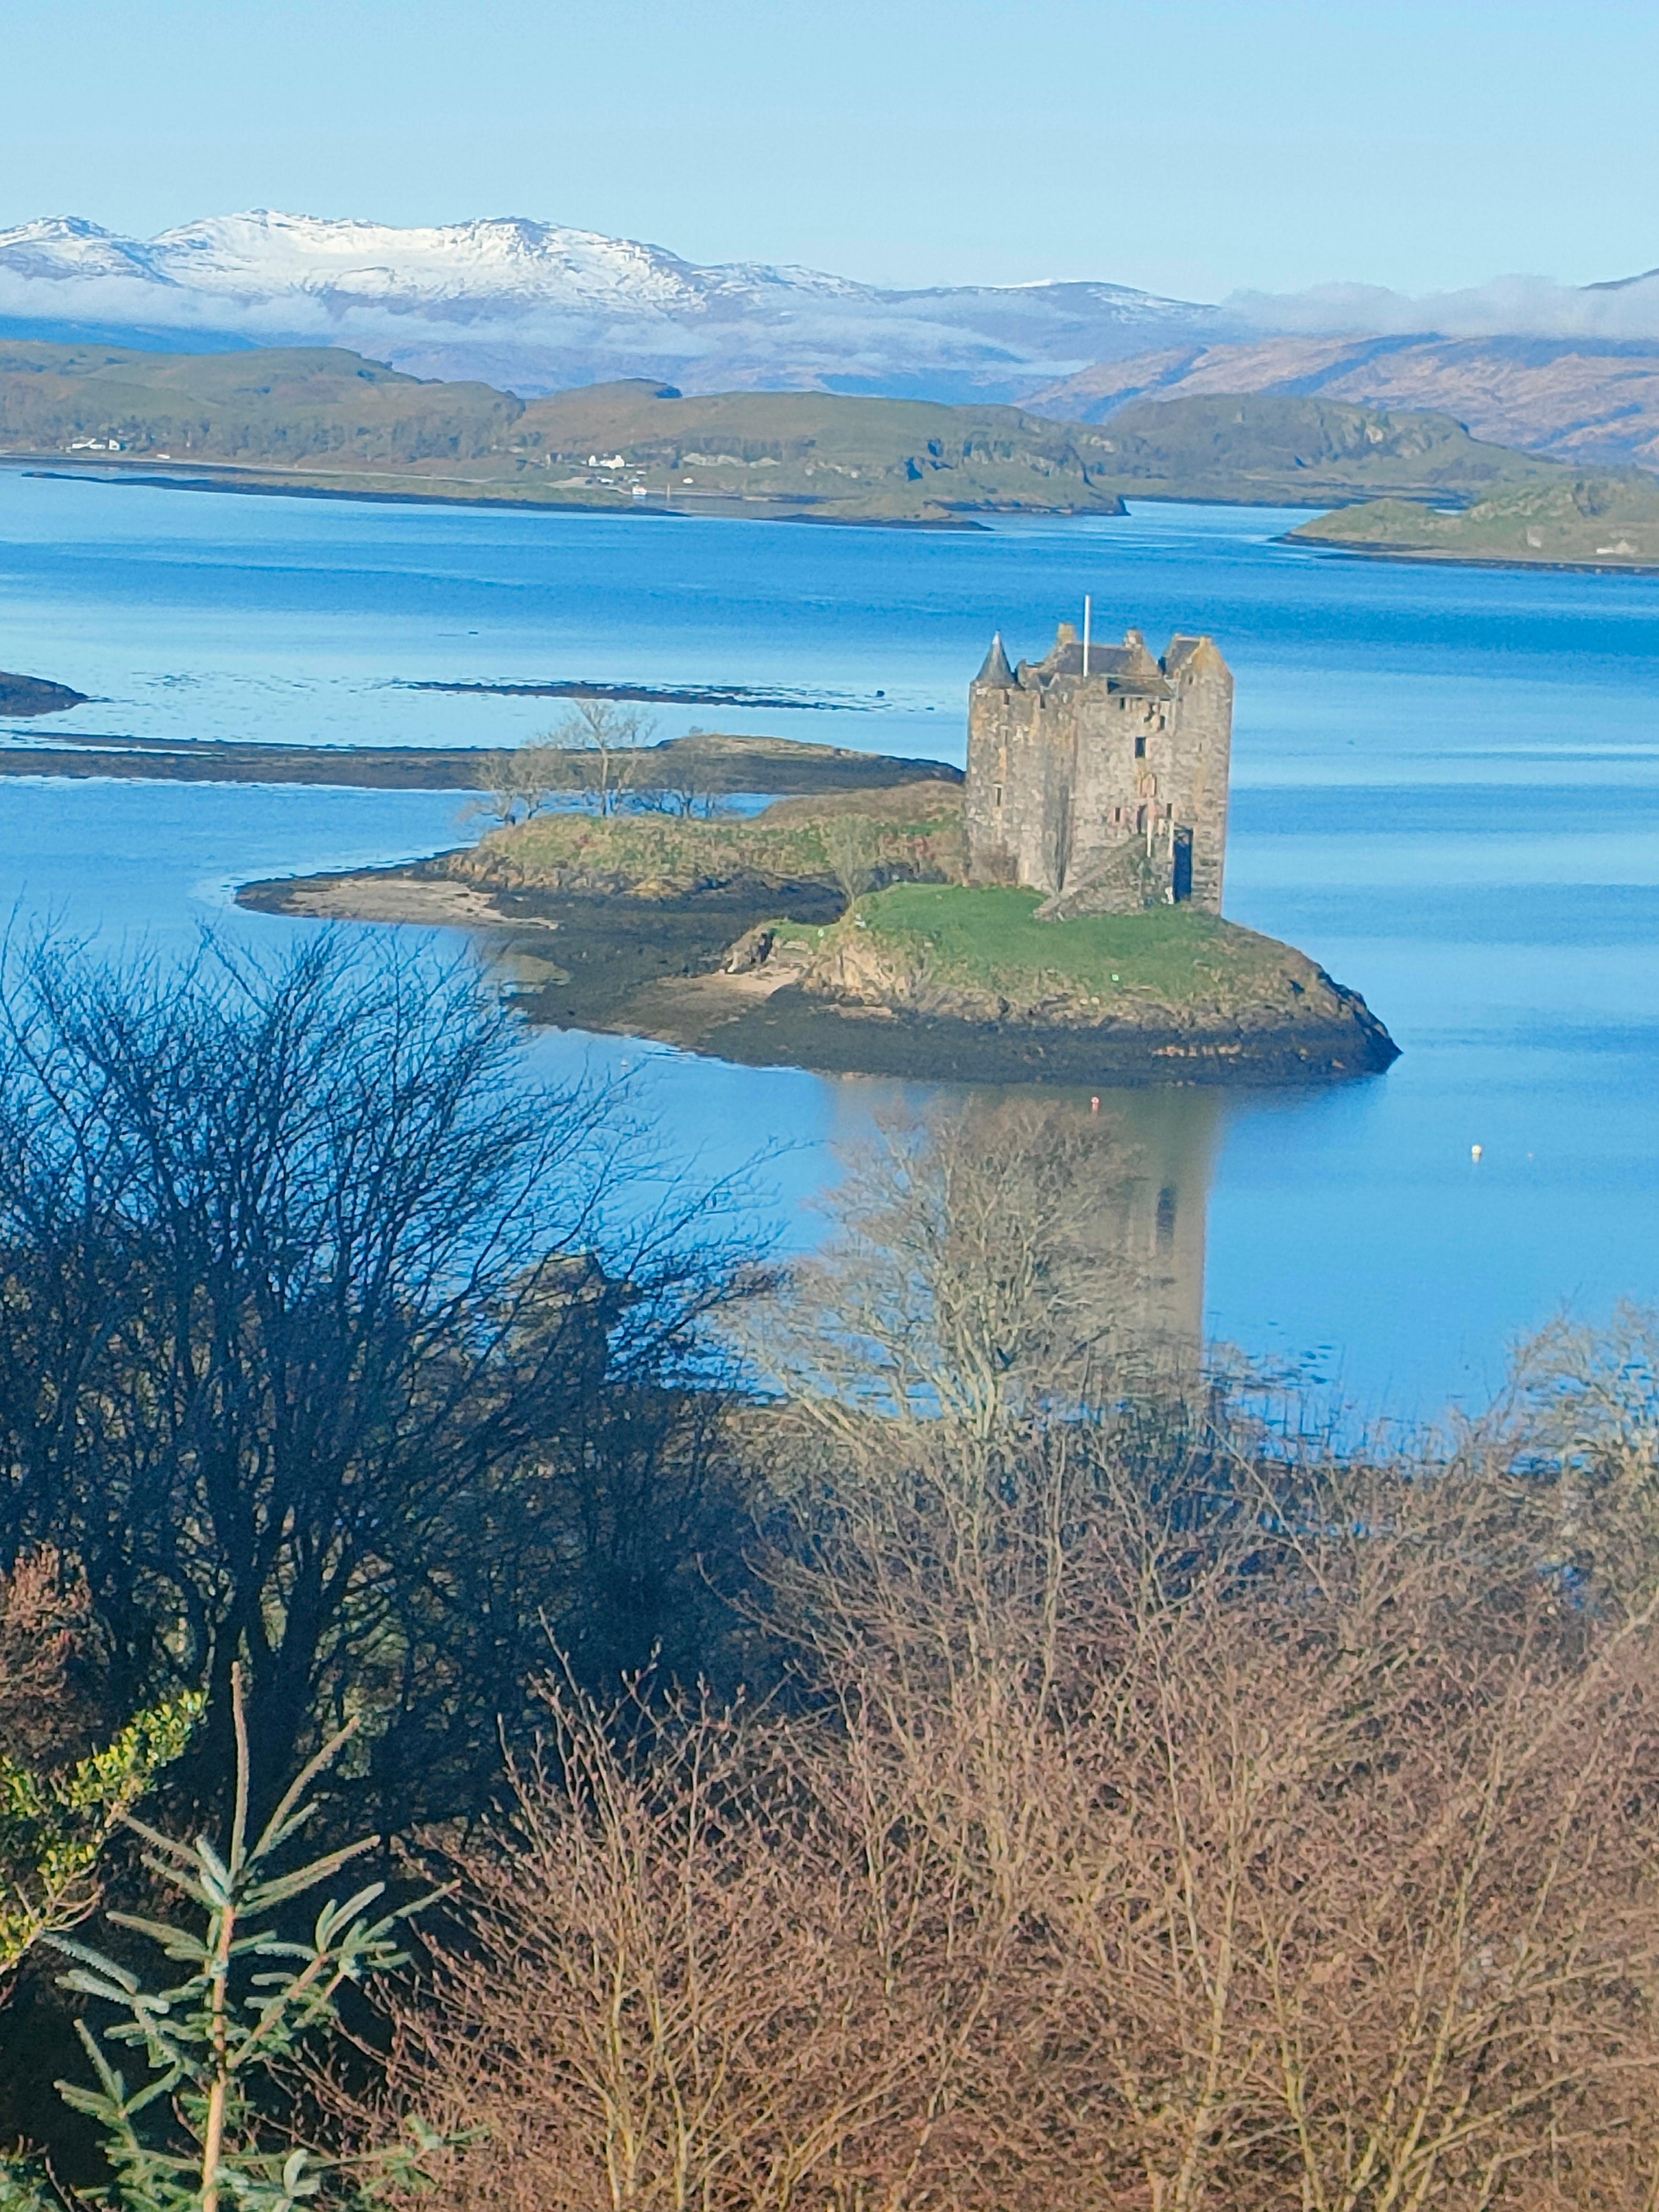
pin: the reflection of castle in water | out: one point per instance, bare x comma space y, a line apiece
1155, 1229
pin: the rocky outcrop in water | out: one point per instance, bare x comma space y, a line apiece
32, 695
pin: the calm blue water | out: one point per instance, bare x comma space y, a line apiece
1446, 788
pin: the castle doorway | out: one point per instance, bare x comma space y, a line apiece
1181, 866
1062, 856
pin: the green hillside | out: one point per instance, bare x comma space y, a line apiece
317, 414
1301, 453
990, 939
288, 404
1607, 520
322, 419
871, 456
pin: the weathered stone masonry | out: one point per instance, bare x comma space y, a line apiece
1105, 787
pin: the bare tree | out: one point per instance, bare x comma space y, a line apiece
1116, 1849
604, 741
517, 785
662, 1998
681, 782
318, 1338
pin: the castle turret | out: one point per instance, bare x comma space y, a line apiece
1103, 787
996, 669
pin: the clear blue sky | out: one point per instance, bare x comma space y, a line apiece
1192, 146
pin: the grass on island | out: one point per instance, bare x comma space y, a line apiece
991, 937
917, 827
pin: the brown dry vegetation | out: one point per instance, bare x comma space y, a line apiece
1316, 1870
1153, 1818
43, 1618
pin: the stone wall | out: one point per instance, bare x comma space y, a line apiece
1068, 769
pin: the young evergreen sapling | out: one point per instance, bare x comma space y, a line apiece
191, 2138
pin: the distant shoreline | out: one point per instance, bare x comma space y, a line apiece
1427, 555
780, 766
226, 476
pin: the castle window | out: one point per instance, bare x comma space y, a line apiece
1165, 1221
1140, 744
999, 794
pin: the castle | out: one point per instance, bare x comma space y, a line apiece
1099, 776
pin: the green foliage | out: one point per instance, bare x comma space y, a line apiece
53, 1829
26, 2186
248, 2003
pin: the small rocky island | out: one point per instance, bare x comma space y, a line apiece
21, 696
1056, 919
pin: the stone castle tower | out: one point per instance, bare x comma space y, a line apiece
1105, 786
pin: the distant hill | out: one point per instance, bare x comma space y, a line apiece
534, 307
328, 418
870, 460
322, 419
1299, 452
1608, 520
1587, 402
275, 404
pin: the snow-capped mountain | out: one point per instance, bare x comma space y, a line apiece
538, 307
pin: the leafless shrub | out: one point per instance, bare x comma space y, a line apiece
1158, 1818
670, 1989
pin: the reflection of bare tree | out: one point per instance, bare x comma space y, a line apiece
1003, 1255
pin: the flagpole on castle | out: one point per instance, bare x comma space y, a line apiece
1087, 606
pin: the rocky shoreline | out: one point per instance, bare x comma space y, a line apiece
683, 969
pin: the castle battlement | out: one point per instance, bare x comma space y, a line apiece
1104, 786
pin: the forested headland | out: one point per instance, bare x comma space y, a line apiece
512, 1695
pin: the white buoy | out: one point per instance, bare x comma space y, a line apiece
1474, 1154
